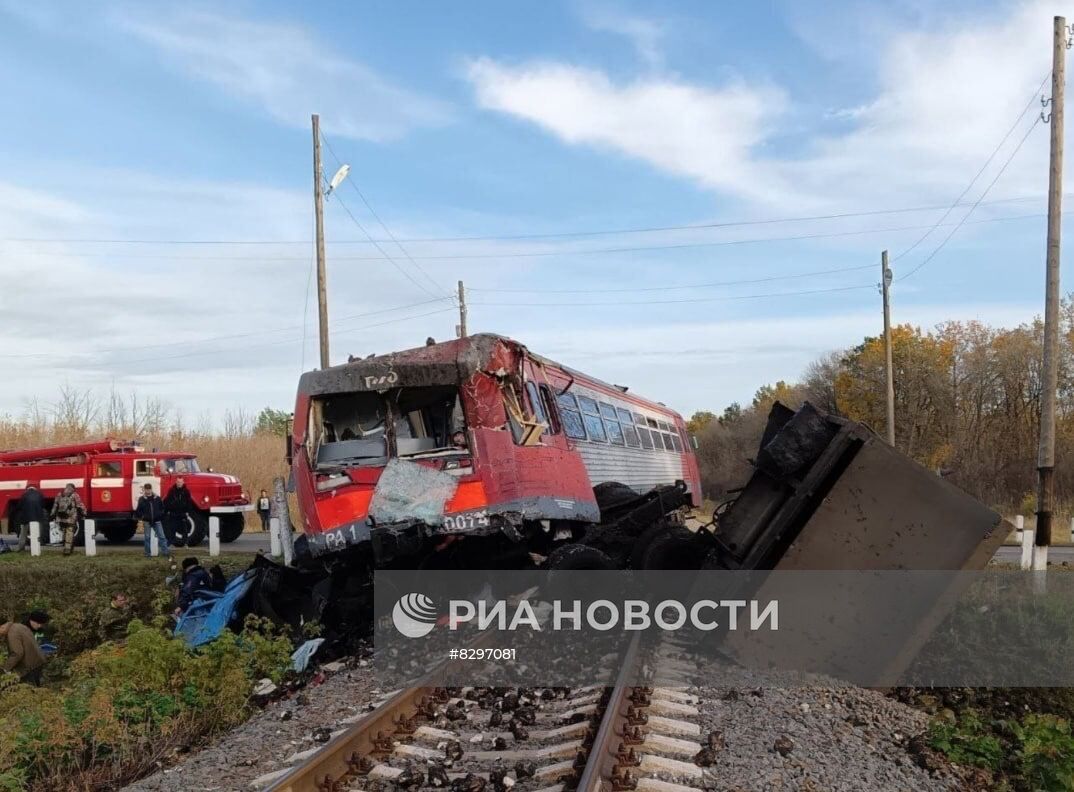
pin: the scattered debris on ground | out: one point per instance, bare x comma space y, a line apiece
274, 738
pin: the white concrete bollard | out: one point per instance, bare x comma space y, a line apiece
1040, 569
274, 537
214, 536
1027, 543
89, 534
154, 545
35, 538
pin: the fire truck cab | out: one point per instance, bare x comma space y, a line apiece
109, 476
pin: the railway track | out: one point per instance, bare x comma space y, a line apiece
597, 738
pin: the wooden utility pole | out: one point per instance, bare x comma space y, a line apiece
462, 311
318, 204
885, 286
1046, 453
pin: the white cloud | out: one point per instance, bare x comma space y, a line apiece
944, 98
701, 133
645, 35
285, 70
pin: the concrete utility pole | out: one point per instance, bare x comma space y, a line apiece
885, 286
462, 311
1046, 453
318, 205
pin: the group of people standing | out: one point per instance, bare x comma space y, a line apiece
67, 509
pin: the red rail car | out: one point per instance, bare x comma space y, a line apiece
109, 475
403, 454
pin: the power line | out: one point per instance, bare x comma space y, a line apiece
991, 184
976, 176
372, 211
676, 302
211, 339
677, 288
294, 338
509, 237
541, 253
383, 252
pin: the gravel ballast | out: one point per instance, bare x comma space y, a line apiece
824, 739
264, 743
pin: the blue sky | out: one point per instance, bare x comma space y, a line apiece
167, 123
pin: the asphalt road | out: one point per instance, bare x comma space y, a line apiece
252, 541
248, 542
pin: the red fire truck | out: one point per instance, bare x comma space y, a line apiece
401, 455
109, 475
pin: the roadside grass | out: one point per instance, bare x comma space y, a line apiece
111, 711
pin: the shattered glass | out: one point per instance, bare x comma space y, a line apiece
408, 491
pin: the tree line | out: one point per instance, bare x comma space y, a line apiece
967, 404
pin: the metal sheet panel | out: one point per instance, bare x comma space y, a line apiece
887, 512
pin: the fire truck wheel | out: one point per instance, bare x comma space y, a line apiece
641, 544
186, 530
231, 526
577, 556
676, 548
120, 532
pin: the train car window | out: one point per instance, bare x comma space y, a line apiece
652, 423
536, 404
630, 434
645, 437
676, 443
554, 425
667, 443
639, 419
588, 405
664, 426
594, 427
571, 417
607, 411
615, 431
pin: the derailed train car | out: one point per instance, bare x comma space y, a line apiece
477, 451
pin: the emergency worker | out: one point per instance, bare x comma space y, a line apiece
25, 657
195, 579
114, 618
67, 510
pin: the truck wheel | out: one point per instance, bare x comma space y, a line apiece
231, 526
676, 548
119, 532
577, 556
611, 495
186, 530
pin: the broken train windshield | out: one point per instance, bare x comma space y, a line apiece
367, 428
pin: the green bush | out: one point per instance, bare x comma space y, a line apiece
968, 741
126, 705
1047, 752
1034, 753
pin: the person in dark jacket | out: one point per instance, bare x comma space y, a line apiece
31, 509
178, 503
150, 511
195, 579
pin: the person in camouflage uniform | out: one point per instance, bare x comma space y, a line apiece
66, 510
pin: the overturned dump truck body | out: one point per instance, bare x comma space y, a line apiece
829, 494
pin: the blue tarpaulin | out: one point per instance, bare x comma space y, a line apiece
212, 611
